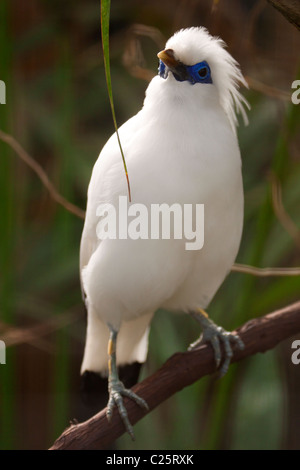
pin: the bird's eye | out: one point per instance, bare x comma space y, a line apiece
203, 72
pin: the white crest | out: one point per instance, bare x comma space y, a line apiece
194, 45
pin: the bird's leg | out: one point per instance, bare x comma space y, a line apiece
116, 388
216, 335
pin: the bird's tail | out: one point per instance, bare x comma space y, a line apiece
132, 343
132, 348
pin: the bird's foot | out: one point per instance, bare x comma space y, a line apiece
116, 392
217, 335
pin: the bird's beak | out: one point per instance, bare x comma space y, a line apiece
168, 58
177, 68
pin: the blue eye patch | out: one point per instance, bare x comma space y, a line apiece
198, 73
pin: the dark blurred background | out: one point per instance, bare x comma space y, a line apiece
57, 107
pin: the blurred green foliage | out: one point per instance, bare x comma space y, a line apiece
58, 108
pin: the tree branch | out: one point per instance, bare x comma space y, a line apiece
181, 370
38, 170
288, 8
265, 272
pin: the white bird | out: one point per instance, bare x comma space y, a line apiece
180, 148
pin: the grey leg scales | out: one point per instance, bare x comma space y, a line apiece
116, 388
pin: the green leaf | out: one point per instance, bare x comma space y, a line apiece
105, 11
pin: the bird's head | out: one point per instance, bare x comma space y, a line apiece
194, 57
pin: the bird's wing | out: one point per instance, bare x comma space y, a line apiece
99, 190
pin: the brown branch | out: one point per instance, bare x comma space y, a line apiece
268, 90
181, 370
38, 170
288, 8
34, 335
265, 272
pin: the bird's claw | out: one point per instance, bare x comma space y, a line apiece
116, 393
216, 335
